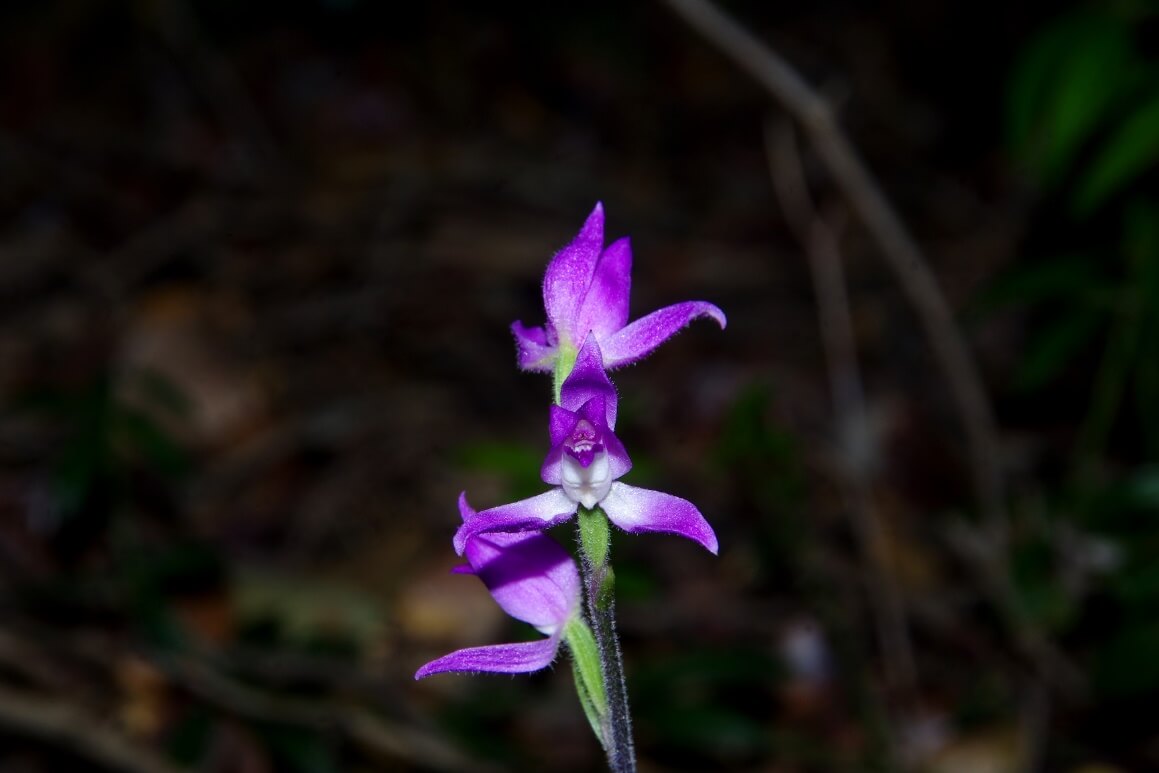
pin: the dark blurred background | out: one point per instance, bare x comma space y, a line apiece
257, 266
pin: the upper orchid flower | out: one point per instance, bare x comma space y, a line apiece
534, 580
585, 290
584, 464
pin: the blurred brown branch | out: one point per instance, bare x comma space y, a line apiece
989, 552
85, 732
69, 715
901, 252
855, 441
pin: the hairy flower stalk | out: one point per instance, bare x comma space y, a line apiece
585, 294
599, 583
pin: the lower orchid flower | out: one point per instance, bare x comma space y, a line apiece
584, 465
534, 580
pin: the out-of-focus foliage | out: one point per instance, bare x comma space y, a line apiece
1083, 106
1083, 125
102, 438
1083, 121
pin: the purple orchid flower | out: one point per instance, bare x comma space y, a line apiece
585, 290
534, 580
584, 465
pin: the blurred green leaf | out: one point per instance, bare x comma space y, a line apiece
307, 612
1130, 150
1141, 244
299, 750
760, 451
716, 730
1040, 594
518, 463
190, 739
1071, 278
74, 476
1065, 84
696, 700
161, 392
159, 450
749, 434
508, 458
1142, 488
718, 667
1055, 346
1126, 664
1032, 77
1138, 587
633, 583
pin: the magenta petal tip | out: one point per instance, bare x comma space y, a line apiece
638, 510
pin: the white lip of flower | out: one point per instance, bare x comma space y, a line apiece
586, 485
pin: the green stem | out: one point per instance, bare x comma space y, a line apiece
564, 363
599, 583
589, 678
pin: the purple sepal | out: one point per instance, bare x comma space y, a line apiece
636, 510
521, 658
536, 350
570, 273
640, 338
588, 381
530, 576
604, 308
534, 514
534, 580
561, 422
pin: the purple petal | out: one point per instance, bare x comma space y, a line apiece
537, 513
570, 272
637, 509
618, 457
530, 576
604, 309
466, 512
638, 339
521, 658
589, 380
535, 352
560, 423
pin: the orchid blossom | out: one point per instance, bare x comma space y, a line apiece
585, 290
584, 466
585, 296
534, 580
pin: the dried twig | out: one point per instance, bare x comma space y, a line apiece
856, 453
194, 223
900, 251
852, 419
375, 734
213, 74
905, 260
84, 732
